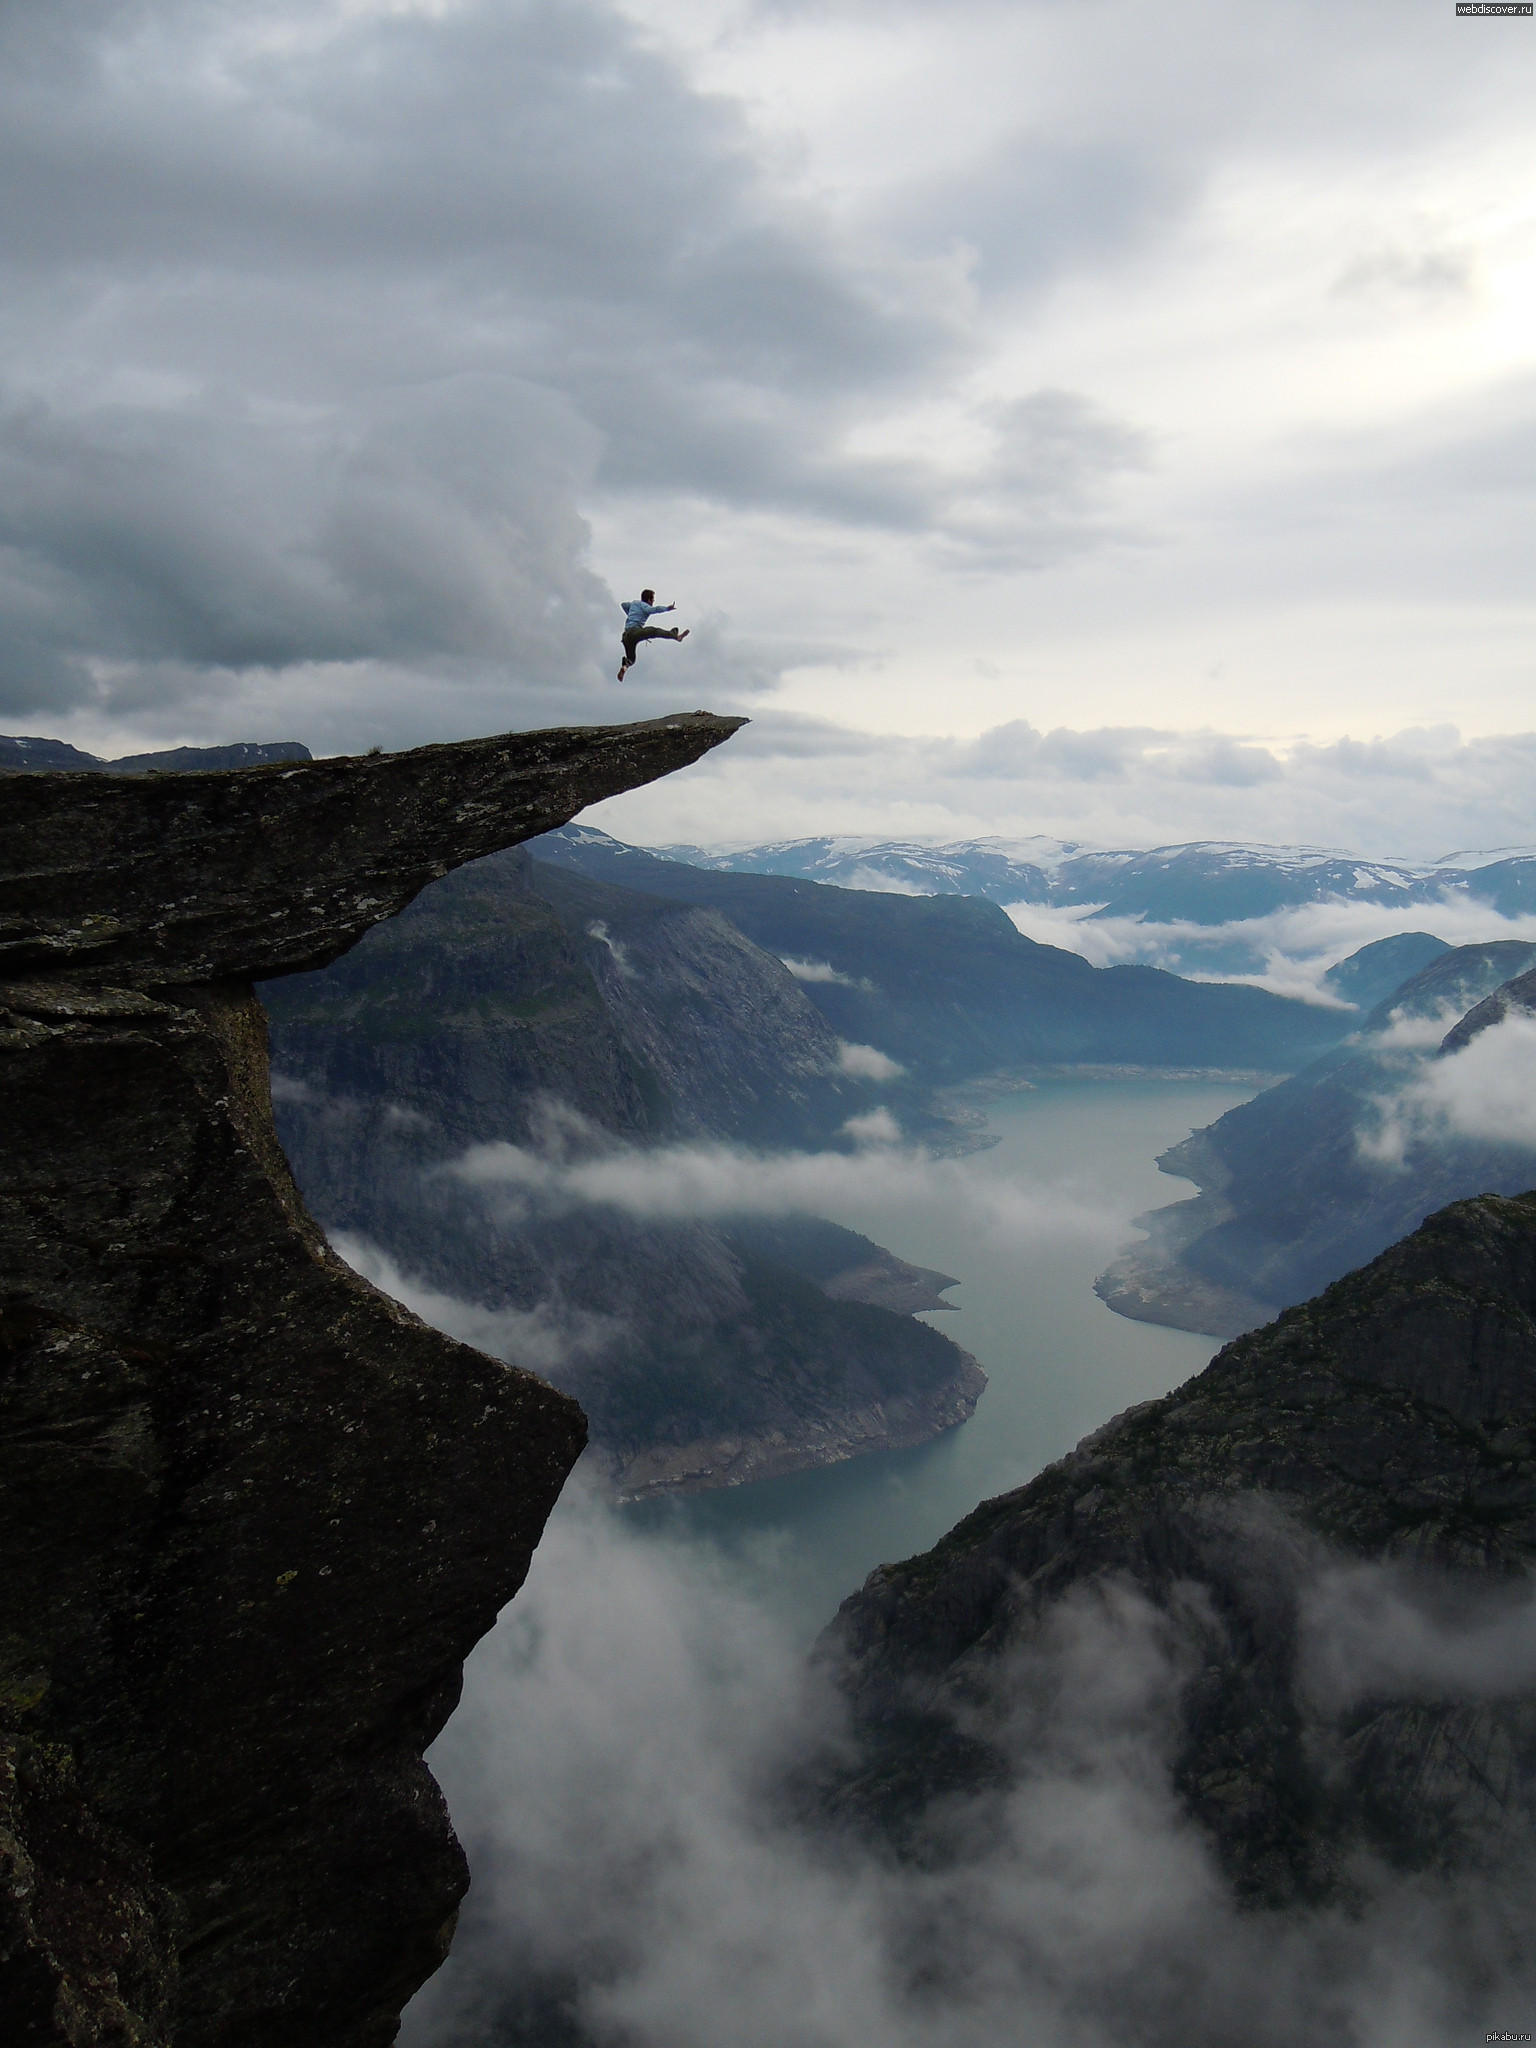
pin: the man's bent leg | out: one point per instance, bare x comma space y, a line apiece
634, 636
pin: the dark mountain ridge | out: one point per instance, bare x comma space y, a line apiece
35, 756
1389, 1423
522, 1004
1292, 1195
948, 985
1375, 972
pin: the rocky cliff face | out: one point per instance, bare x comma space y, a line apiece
253, 1514
1392, 1423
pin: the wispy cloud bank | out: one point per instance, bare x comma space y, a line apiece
1289, 951
1414, 796
822, 971
543, 1339
613, 1771
677, 1183
1373, 1631
1485, 1091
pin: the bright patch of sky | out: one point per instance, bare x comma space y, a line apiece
1161, 378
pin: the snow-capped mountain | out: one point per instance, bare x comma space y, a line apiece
1206, 882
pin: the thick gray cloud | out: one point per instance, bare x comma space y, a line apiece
331, 335
425, 524
322, 326
613, 1769
320, 329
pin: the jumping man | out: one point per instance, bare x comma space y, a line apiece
636, 612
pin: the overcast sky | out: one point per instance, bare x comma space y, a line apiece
1017, 398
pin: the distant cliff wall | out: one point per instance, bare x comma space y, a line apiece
252, 1514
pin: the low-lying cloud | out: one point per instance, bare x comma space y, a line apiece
823, 971
638, 1883
1288, 951
1373, 1631
874, 1127
545, 1338
867, 1062
713, 1182
1484, 1091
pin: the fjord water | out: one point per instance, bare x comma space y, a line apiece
1073, 1164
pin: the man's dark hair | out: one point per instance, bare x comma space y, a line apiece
647, 597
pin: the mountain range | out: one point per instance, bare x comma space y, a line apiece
37, 756
579, 999
947, 984
1203, 881
255, 1515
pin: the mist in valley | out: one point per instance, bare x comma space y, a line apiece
634, 1770
627, 1773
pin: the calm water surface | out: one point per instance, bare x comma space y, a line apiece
1074, 1164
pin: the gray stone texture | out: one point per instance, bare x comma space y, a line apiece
253, 1514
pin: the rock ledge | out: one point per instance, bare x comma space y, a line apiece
253, 1514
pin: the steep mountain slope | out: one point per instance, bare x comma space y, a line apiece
1375, 972
1377, 1444
949, 987
1295, 1188
523, 1006
1516, 997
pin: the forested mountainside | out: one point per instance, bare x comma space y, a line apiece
523, 1006
948, 986
1321, 1172
1319, 1538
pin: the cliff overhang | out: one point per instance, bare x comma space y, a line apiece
253, 1514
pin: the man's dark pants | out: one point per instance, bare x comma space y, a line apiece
638, 633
